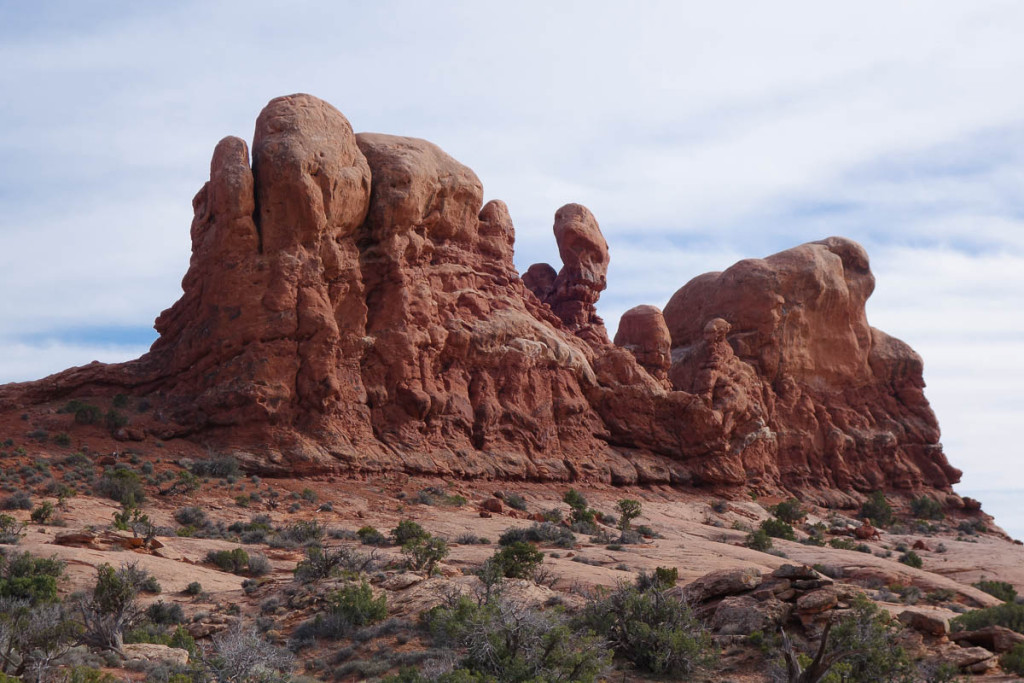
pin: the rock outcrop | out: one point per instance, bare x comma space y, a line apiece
351, 304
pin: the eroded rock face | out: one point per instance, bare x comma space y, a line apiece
351, 304
843, 400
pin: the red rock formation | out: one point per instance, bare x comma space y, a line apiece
351, 306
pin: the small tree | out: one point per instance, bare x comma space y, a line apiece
861, 647
579, 512
33, 637
113, 606
788, 511
629, 510
425, 553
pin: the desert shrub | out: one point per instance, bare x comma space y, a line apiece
309, 495
506, 640
190, 516
43, 513
877, 510
62, 439
554, 515
660, 579
243, 654
29, 578
425, 552
516, 501
122, 485
114, 420
150, 585
33, 639
406, 531
19, 500
370, 536
194, 588
1013, 661
235, 561
911, 559
259, 565
1009, 615
758, 540
924, 507
471, 539
221, 467
1000, 589
297, 534
349, 607
788, 511
517, 561
652, 628
10, 530
579, 513
164, 613
85, 413
544, 533
842, 544
776, 528
324, 562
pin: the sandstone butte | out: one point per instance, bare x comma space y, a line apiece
352, 306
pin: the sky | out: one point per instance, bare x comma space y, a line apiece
698, 134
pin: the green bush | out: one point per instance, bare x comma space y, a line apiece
407, 531
865, 644
122, 485
424, 553
788, 511
10, 530
1013, 661
516, 501
926, 508
370, 536
86, 413
758, 540
652, 628
517, 561
190, 516
661, 578
194, 588
776, 528
221, 467
911, 559
43, 513
1009, 615
509, 641
544, 533
1000, 589
877, 510
579, 513
235, 561
629, 510
345, 609
30, 578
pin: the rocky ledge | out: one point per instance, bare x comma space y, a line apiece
352, 305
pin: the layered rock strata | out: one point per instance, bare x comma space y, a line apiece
351, 304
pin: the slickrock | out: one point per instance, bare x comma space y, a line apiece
351, 304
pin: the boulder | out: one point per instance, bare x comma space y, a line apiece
721, 582
994, 638
744, 614
925, 622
